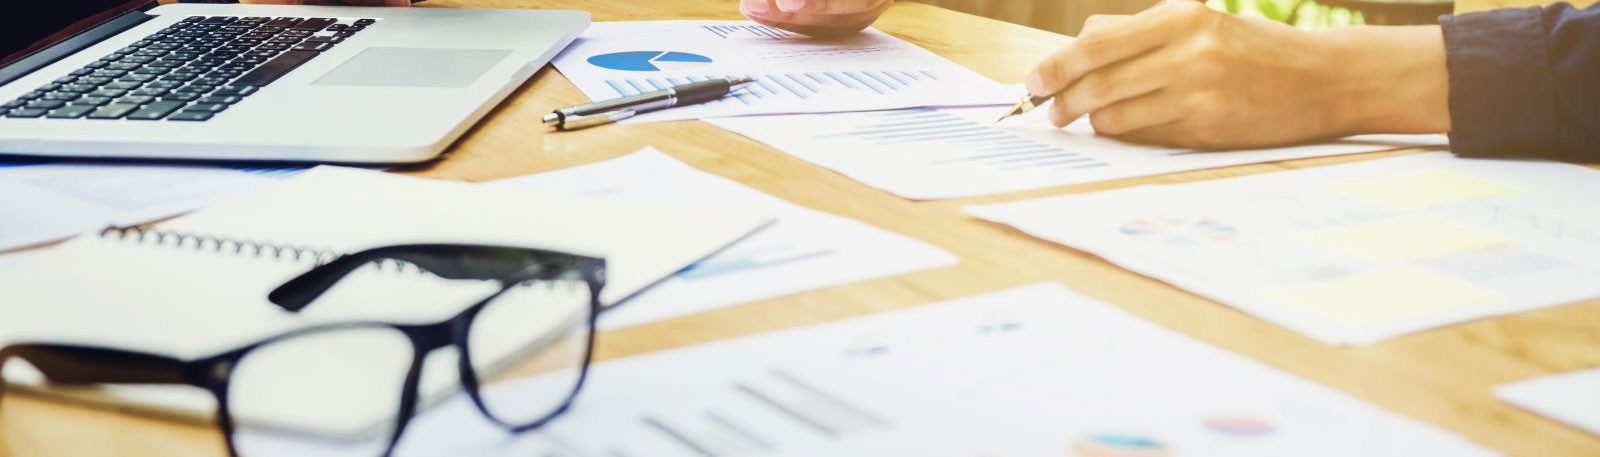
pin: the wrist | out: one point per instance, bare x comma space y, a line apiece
1388, 80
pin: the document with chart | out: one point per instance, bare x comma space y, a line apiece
794, 73
1031, 371
1353, 253
804, 250
927, 154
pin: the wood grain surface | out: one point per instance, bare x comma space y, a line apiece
1442, 376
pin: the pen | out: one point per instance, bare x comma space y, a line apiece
1028, 103
608, 111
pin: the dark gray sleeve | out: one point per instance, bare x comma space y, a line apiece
1525, 82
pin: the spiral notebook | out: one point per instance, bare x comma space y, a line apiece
197, 285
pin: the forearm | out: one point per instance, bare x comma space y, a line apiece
1388, 79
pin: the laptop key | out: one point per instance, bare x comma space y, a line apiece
223, 99
155, 111
70, 111
312, 46
153, 71
133, 100
136, 77
219, 20
151, 91
199, 89
112, 111
191, 116
207, 107
46, 104
121, 85
8, 106
62, 96
275, 68
110, 93
181, 97
90, 100
236, 90
314, 24
26, 112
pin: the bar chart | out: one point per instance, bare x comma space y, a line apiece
786, 86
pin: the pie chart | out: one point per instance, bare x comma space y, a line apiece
649, 60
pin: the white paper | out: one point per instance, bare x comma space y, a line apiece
927, 154
795, 74
1572, 398
55, 201
1353, 253
15, 260
806, 249
1031, 371
190, 299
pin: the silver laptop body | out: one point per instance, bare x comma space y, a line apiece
399, 89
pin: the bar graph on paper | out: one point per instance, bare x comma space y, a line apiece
793, 73
980, 145
787, 87
769, 413
962, 152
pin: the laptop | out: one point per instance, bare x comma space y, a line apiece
279, 83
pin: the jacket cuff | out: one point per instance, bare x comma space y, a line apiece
1502, 91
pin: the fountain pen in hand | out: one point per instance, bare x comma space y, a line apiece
608, 111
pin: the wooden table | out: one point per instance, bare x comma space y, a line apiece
1442, 376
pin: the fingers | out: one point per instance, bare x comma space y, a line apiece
828, 6
1120, 81
805, 19
1099, 21
1138, 115
1111, 42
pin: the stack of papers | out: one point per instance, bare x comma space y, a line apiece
1032, 371
794, 74
193, 296
1353, 253
59, 200
805, 249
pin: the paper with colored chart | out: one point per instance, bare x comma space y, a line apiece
794, 73
1572, 398
1031, 371
1352, 253
805, 249
927, 154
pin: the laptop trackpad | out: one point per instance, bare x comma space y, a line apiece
414, 67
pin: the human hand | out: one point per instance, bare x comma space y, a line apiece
1182, 75
818, 18
331, 2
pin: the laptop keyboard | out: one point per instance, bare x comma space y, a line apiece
189, 71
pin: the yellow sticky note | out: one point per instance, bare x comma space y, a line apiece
1407, 238
1425, 188
1381, 296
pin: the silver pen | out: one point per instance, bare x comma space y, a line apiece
608, 111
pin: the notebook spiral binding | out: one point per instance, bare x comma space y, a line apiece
231, 246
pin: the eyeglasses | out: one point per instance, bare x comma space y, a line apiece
361, 380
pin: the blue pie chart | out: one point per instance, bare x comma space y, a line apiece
649, 60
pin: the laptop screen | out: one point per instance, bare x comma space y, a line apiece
31, 25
